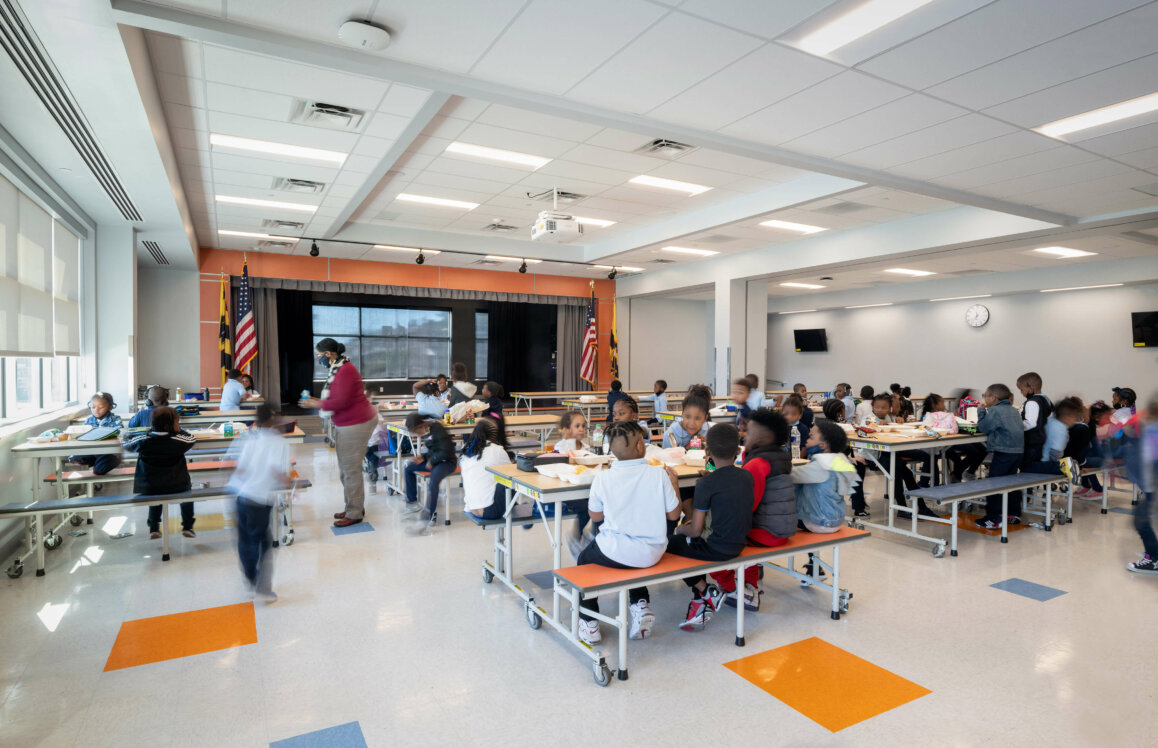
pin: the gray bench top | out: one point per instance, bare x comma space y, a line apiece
96, 502
984, 487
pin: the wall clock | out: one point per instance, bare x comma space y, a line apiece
977, 315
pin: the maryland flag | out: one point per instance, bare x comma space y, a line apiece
223, 337
614, 355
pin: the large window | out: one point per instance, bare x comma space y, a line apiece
34, 385
481, 344
387, 343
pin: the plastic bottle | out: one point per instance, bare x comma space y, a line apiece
305, 394
795, 443
227, 431
179, 395
597, 440
205, 394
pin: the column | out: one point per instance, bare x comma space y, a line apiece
116, 315
731, 337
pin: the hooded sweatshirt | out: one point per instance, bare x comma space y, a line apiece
461, 392
821, 486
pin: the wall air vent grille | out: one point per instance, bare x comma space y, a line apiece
155, 252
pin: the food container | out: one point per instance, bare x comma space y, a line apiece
695, 458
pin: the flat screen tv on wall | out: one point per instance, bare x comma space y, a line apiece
1145, 329
811, 341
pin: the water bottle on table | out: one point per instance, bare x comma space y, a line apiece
795, 443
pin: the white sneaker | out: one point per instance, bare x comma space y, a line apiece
752, 597
642, 619
589, 632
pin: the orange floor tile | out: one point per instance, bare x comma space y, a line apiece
966, 522
182, 634
828, 685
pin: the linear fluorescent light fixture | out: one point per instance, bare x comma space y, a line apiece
803, 228
628, 268
960, 298
798, 311
669, 184
866, 306
1103, 116
601, 223
408, 249
497, 154
690, 251
910, 273
259, 235
858, 22
276, 149
501, 258
801, 285
1064, 253
439, 201
265, 203
1081, 288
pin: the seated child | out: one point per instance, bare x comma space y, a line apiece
1096, 425
755, 394
250, 391
793, 410
902, 478
773, 501
692, 426
376, 443
718, 525
934, 415
101, 409
1057, 435
614, 395
161, 466
427, 397
573, 429
658, 398
1004, 426
741, 393
485, 446
155, 397
822, 484
626, 409
806, 415
443, 389
492, 394
632, 503
834, 410
436, 454
843, 392
864, 408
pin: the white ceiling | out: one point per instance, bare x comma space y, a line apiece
930, 113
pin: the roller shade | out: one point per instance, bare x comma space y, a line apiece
65, 291
34, 265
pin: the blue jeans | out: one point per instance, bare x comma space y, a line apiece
1144, 524
1004, 463
253, 541
100, 464
437, 474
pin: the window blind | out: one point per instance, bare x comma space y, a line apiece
65, 291
34, 266
9, 279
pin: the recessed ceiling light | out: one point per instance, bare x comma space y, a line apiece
959, 298
801, 285
866, 306
690, 251
912, 273
415, 250
601, 223
1081, 288
669, 184
1103, 116
1064, 253
501, 258
496, 154
258, 235
276, 149
799, 311
265, 203
860, 21
628, 268
803, 228
443, 202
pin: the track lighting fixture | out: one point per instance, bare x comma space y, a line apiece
612, 274
420, 258
314, 249
523, 267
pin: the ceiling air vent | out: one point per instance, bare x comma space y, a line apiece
486, 262
664, 148
329, 116
717, 239
282, 226
155, 252
661, 261
275, 246
563, 195
499, 227
843, 208
298, 185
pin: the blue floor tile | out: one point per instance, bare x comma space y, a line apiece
1029, 589
1122, 510
351, 529
348, 735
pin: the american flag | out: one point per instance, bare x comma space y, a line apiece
587, 359
245, 347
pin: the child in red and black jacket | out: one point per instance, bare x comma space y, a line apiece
435, 453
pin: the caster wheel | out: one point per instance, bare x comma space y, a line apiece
15, 570
75, 520
939, 551
287, 539
488, 576
52, 542
602, 675
534, 620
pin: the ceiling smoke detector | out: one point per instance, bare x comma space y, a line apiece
363, 35
665, 148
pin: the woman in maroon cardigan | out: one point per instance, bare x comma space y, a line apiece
354, 417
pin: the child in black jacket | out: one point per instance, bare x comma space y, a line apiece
161, 467
435, 453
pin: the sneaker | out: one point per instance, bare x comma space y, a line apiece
266, 595
808, 570
988, 524
642, 619
863, 514
1144, 565
699, 613
1081, 492
1090, 495
189, 533
412, 507
1009, 521
715, 597
589, 632
752, 595
155, 535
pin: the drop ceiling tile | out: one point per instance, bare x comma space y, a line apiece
764, 19
403, 100
236, 162
657, 65
713, 159
633, 162
191, 118
1083, 172
895, 119
1147, 158
829, 101
178, 89
523, 120
538, 181
281, 76
768, 75
477, 169
554, 44
956, 133
1123, 141
999, 149
910, 26
456, 181
248, 102
686, 172
191, 139
280, 132
490, 136
566, 170
1018, 167
443, 34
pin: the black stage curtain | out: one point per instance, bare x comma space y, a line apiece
295, 339
521, 345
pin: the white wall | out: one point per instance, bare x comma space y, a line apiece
670, 339
1080, 342
168, 337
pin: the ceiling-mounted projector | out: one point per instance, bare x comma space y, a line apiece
556, 227
363, 35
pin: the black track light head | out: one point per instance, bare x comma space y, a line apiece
420, 258
314, 249
523, 267
612, 274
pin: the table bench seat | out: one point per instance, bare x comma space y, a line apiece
126, 473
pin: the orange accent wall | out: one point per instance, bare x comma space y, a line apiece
263, 265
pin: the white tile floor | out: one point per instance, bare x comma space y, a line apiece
400, 634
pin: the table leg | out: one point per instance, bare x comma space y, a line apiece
835, 582
623, 634
165, 531
38, 537
953, 531
61, 491
890, 478
1005, 517
1048, 506
739, 579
